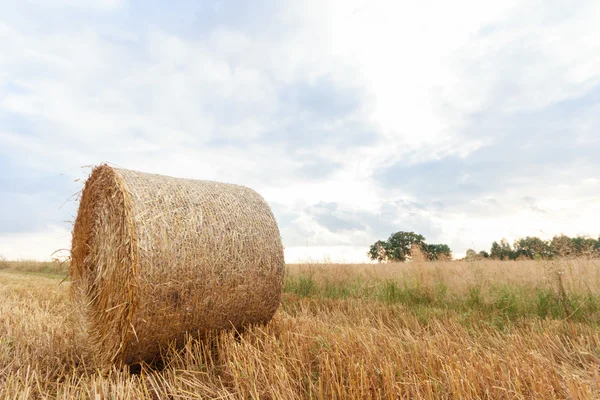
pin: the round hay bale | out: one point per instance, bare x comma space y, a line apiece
155, 257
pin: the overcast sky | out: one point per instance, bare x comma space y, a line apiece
465, 121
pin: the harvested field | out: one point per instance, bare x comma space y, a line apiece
432, 330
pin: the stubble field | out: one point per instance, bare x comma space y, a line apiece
483, 329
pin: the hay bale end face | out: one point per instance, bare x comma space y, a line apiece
155, 257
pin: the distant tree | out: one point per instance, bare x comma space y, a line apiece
440, 252
378, 251
502, 251
507, 250
584, 246
562, 246
532, 247
471, 255
435, 252
398, 247
400, 243
496, 251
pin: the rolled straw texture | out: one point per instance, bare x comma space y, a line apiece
155, 257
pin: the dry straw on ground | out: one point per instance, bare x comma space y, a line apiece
154, 257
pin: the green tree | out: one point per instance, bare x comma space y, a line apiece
397, 247
562, 246
400, 243
496, 251
583, 246
438, 252
484, 254
532, 247
502, 251
378, 251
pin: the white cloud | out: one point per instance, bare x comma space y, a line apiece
43, 246
99, 5
158, 100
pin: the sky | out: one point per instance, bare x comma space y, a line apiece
465, 121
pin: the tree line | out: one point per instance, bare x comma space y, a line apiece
402, 246
532, 248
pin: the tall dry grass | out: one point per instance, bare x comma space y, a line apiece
51, 268
433, 330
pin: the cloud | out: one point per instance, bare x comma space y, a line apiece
85, 4
321, 98
33, 200
335, 220
255, 18
531, 202
532, 151
353, 119
54, 242
317, 169
362, 228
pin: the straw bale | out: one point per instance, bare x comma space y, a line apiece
155, 257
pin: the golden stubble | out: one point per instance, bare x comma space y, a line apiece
321, 348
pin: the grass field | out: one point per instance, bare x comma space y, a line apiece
483, 329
